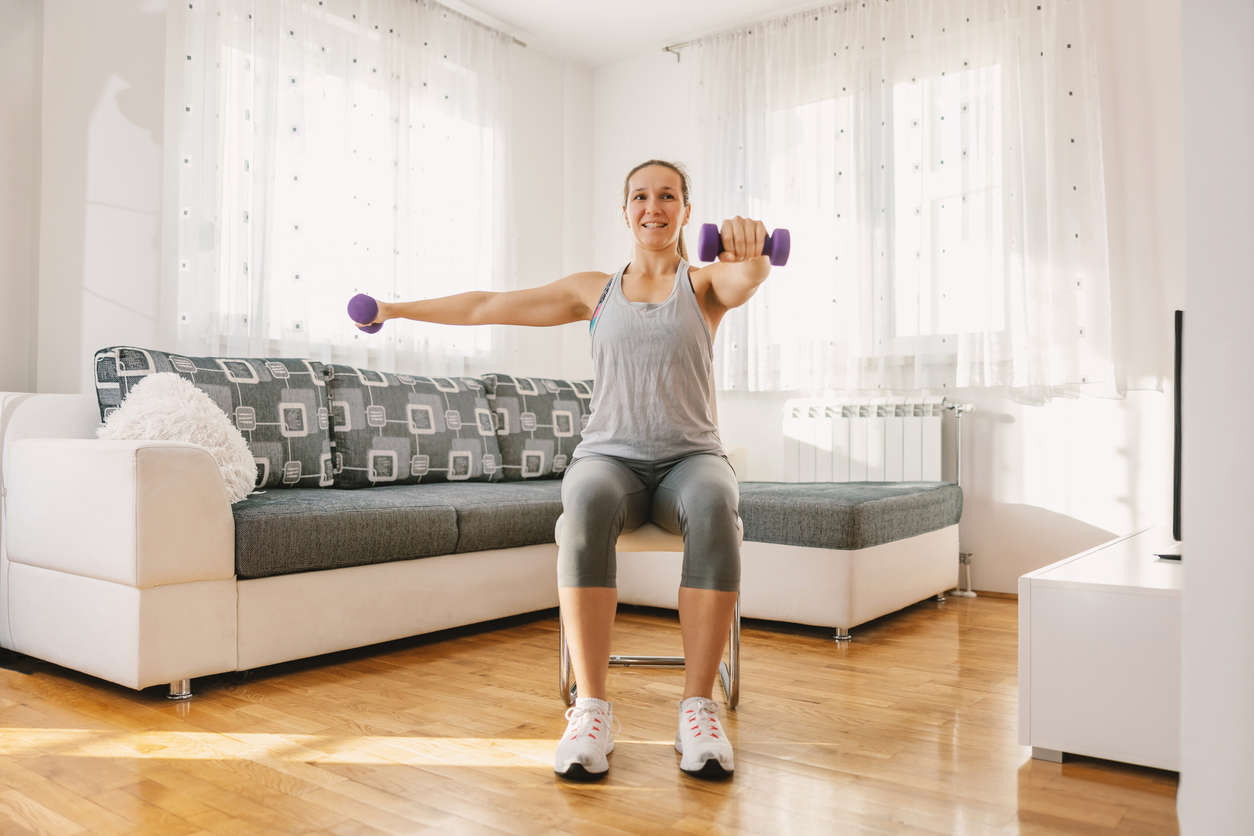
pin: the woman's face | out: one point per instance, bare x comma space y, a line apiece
655, 209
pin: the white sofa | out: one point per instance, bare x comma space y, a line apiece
117, 560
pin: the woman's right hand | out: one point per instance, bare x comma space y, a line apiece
380, 315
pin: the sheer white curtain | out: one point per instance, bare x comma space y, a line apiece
939, 165
326, 147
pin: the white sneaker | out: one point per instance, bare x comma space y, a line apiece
589, 738
707, 753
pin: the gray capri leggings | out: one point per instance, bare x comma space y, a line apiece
695, 495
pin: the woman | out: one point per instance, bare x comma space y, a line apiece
651, 450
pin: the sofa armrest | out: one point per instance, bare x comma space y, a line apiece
141, 513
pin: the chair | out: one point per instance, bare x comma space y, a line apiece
651, 538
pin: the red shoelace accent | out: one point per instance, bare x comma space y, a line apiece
696, 724
596, 722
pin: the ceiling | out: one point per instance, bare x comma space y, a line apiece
596, 33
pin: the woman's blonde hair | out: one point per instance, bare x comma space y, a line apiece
683, 178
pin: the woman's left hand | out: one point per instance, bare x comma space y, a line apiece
743, 239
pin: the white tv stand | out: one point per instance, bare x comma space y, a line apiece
1099, 654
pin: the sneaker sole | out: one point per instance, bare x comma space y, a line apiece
577, 772
711, 771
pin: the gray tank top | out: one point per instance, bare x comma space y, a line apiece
654, 366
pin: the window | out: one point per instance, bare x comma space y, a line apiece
917, 248
948, 257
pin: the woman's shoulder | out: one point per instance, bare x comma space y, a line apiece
700, 277
591, 276
591, 279
589, 285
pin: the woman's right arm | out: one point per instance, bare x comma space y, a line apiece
568, 299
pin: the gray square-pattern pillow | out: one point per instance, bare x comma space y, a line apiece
398, 429
279, 405
539, 421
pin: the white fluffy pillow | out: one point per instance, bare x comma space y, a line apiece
165, 407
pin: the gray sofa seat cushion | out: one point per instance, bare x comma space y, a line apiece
502, 515
280, 532
302, 530
846, 515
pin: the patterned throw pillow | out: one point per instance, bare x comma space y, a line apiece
397, 429
538, 422
279, 405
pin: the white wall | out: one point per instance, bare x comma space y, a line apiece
552, 153
20, 47
577, 225
101, 183
1041, 482
1217, 648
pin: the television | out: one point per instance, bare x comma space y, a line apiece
1175, 553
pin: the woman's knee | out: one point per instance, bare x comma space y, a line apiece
594, 504
712, 548
715, 503
581, 561
716, 569
591, 522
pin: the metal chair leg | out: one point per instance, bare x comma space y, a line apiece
728, 669
565, 674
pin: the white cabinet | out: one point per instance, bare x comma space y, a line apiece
1099, 654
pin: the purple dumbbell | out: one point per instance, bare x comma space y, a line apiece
363, 308
776, 246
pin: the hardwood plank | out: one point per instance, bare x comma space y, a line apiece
42, 790
32, 815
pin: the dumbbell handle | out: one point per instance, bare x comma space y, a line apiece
776, 246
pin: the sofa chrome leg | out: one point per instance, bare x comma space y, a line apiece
842, 635
940, 597
180, 689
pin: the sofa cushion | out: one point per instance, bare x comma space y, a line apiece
280, 532
397, 429
503, 515
846, 515
279, 405
539, 421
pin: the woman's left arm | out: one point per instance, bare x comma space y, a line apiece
741, 267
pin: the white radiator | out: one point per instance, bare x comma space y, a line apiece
871, 441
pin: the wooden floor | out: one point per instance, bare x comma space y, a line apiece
910, 728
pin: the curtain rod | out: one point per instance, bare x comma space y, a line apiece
674, 49
484, 20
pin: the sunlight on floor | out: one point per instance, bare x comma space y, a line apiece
305, 748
